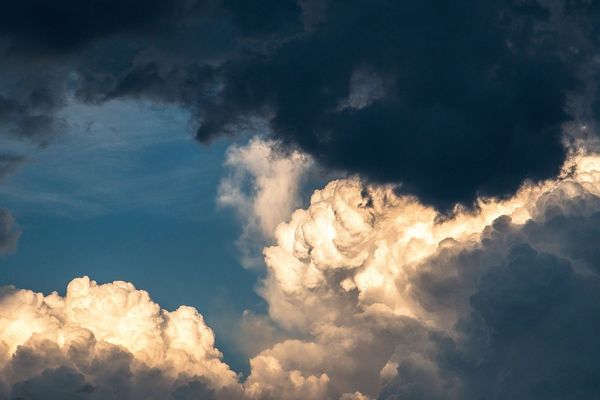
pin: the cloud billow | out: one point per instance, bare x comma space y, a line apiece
501, 303
105, 341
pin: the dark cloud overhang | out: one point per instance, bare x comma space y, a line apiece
62, 26
472, 100
450, 101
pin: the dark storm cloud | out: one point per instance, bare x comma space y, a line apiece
533, 325
56, 383
42, 27
469, 98
449, 101
531, 335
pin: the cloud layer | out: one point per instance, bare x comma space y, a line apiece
405, 92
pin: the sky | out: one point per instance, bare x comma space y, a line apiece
299, 199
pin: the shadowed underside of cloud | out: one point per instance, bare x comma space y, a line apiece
372, 297
450, 101
502, 303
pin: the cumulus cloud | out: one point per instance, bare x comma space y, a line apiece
263, 188
402, 304
9, 231
105, 341
373, 296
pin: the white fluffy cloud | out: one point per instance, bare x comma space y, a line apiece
373, 296
107, 341
263, 188
113, 341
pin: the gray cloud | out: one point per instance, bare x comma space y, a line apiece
9, 232
452, 102
9, 163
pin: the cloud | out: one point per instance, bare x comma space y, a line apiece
263, 188
405, 93
371, 295
9, 232
393, 302
103, 341
94, 52
448, 101
113, 341
275, 377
